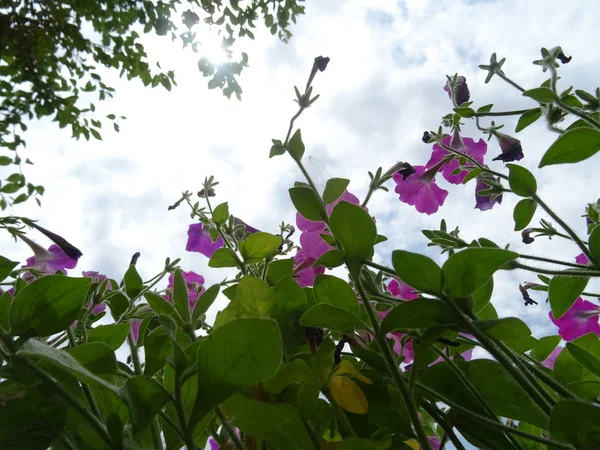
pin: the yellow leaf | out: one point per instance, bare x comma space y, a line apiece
412, 443
348, 395
347, 367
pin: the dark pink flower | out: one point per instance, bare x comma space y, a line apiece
214, 445
199, 240
467, 146
511, 148
420, 190
194, 284
462, 94
135, 328
551, 359
305, 273
484, 202
96, 277
582, 259
580, 319
399, 289
434, 442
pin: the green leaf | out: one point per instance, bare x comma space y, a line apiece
145, 398
279, 269
331, 259
178, 359
296, 147
573, 146
323, 360
573, 375
276, 150
6, 267
113, 335
577, 423
467, 271
594, 243
295, 372
133, 282
418, 271
521, 181
504, 395
335, 291
205, 301
505, 329
354, 228
280, 425
334, 189
64, 361
118, 304
365, 444
97, 357
480, 435
563, 291
180, 296
482, 296
522, 345
585, 358
158, 304
157, 348
523, 213
307, 203
418, 314
5, 304
544, 347
542, 95
48, 305
527, 444
323, 315
527, 118
239, 353
221, 213
259, 246
253, 297
223, 257
465, 112
5, 160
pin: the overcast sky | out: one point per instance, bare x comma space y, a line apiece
381, 90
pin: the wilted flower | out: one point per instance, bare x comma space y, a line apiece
580, 319
464, 145
209, 193
484, 202
461, 93
420, 190
510, 146
526, 236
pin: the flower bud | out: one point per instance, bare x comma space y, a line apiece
461, 90
70, 250
510, 146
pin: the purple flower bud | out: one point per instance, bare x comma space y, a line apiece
70, 250
526, 236
564, 58
314, 337
321, 63
511, 148
426, 137
484, 202
461, 94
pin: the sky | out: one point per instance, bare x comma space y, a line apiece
380, 92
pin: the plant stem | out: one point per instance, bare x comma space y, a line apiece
368, 197
492, 423
172, 423
86, 389
501, 113
554, 261
383, 269
441, 419
509, 81
567, 229
577, 273
549, 381
313, 435
137, 366
227, 425
187, 431
401, 384
502, 358
340, 414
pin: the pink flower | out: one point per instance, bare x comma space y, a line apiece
399, 289
551, 359
434, 442
194, 284
464, 145
199, 240
420, 190
582, 259
305, 273
580, 319
135, 328
50, 261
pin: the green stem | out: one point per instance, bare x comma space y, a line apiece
502, 113
383, 269
137, 366
400, 382
230, 431
577, 273
554, 261
473, 161
549, 381
509, 81
441, 419
67, 441
86, 389
172, 423
313, 435
368, 197
309, 179
265, 268
187, 431
340, 414
502, 358
492, 423
567, 229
